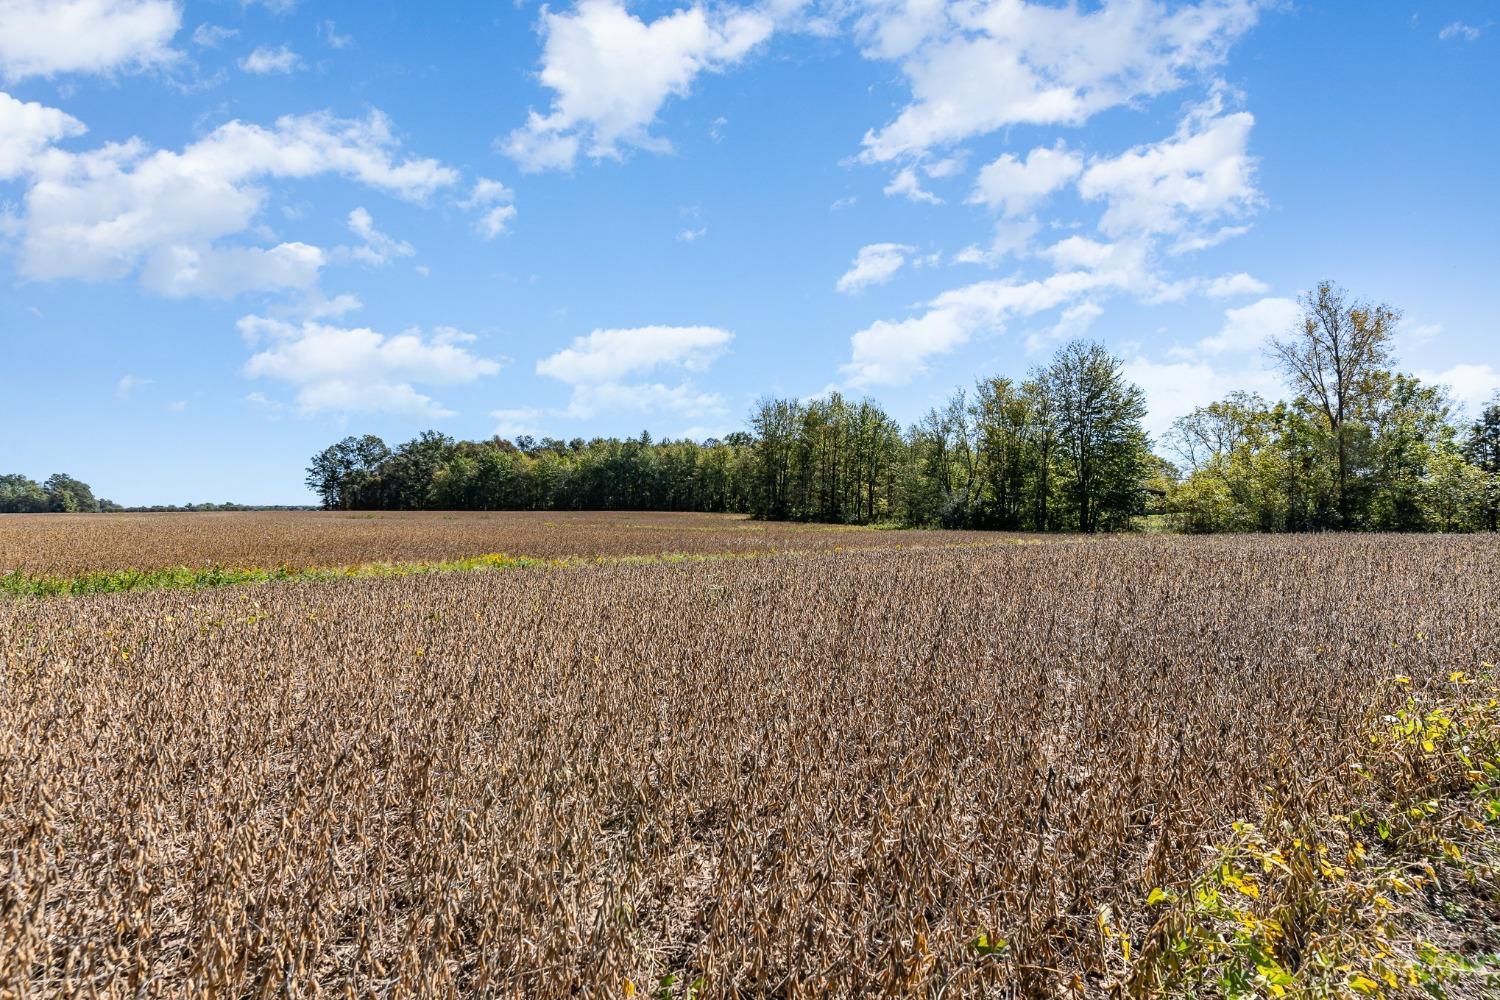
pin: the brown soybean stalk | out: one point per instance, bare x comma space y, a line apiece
920, 771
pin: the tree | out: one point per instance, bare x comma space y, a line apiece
1482, 450
67, 495
340, 473
1332, 360
21, 495
1104, 447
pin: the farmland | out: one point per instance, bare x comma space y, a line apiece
858, 763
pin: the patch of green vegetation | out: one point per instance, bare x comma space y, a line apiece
18, 584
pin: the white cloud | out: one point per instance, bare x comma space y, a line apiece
319, 307
1200, 175
1012, 239
26, 129
266, 60
1248, 328
650, 397
358, 370
1472, 384
1459, 29
492, 200
974, 68
47, 37
875, 264
909, 186
1176, 388
121, 208
378, 249
598, 365
893, 352
692, 235
211, 36
1231, 285
212, 272
611, 355
513, 423
611, 73
1074, 322
1015, 187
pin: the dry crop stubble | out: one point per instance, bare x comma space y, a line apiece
62, 544
886, 772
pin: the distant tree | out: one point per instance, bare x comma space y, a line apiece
68, 495
342, 474
1482, 449
1103, 445
21, 495
1333, 360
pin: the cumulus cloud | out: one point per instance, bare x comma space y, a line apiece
1248, 328
353, 370
123, 208
1202, 174
598, 366
48, 37
611, 72
491, 200
1231, 359
893, 352
26, 129
875, 264
1472, 385
1015, 187
265, 60
1231, 285
611, 355
1177, 387
224, 272
975, 68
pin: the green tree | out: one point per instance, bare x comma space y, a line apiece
1333, 360
1482, 449
68, 495
21, 495
1103, 446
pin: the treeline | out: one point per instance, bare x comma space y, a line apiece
1356, 446
60, 494
1359, 446
1063, 450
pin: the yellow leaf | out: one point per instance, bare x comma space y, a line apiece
629, 988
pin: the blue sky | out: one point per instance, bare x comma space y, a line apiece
231, 233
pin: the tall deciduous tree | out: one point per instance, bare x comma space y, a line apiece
1333, 359
1482, 449
1104, 447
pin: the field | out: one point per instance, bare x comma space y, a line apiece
859, 763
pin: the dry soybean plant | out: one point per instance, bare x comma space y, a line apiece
79, 543
921, 772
